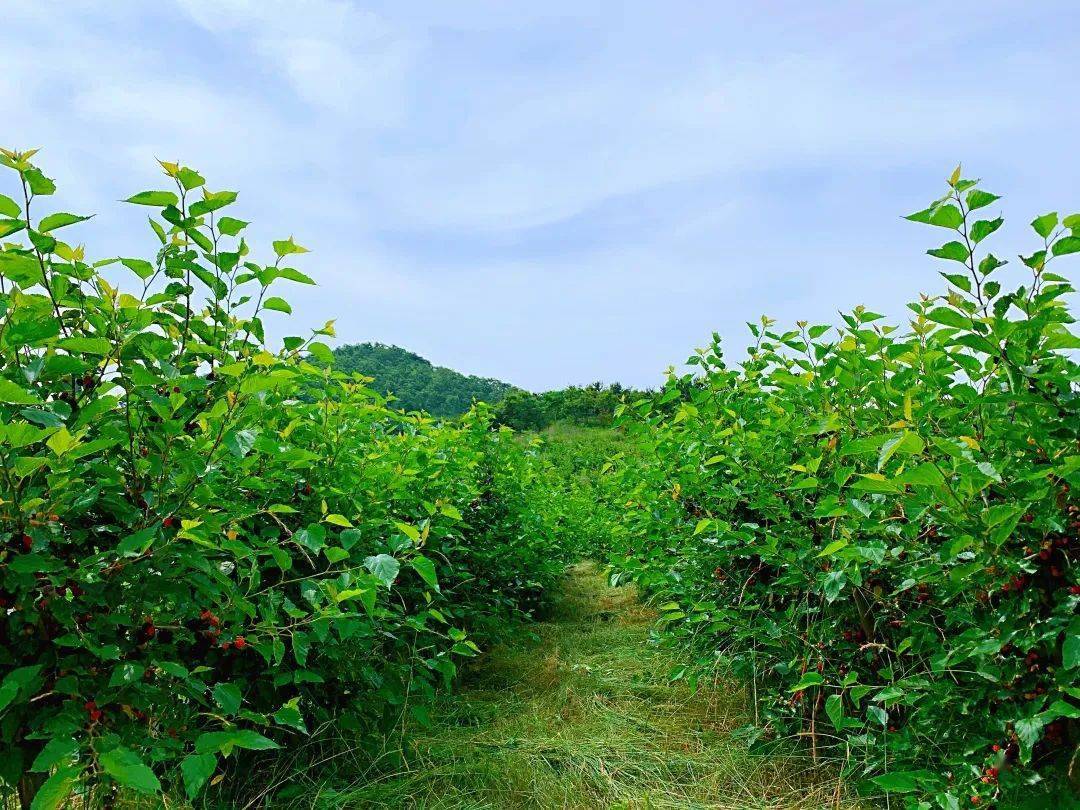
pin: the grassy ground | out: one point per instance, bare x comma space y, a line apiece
584, 717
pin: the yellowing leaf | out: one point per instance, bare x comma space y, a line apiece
61, 441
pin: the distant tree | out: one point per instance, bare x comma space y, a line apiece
590, 406
522, 410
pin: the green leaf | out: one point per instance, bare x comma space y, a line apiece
1059, 708
56, 751
902, 781
906, 443
949, 317
240, 442
952, 251
284, 247
61, 442
409, 531
125, 767
335, 554
295, 275
228, 697
23, 270
56, 789
212, 742
944, 216
86, 345
958, 280
1036, 260
289, 715
212, 201
155, 198
189, 178
947, 216
980, 199
806, 681
231, 226
834, 583
196, 769
1029, 730
10, 226
383, 566
321, 352
9, 208
872, 482
277, 304
983, 228
834, 708
878, 714
426, 569
1070, 650
311, 537
926, 475
54, 221
125, 673
1066, 245
39, 184
832, 548
990, 263
1045, 224
143, 269
16, 394
365, 595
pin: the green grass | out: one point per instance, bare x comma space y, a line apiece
581, 717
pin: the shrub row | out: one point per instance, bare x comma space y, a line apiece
208, 546
879, 526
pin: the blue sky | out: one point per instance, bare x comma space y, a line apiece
554, 193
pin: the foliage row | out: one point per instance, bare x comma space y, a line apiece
207, 547
880, 526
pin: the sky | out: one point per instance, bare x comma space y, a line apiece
560, 192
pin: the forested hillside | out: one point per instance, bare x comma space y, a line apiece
416, 384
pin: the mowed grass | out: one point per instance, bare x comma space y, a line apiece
584, 717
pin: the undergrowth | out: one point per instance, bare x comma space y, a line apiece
582, 716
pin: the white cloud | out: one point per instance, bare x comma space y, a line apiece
334, 55
550, 150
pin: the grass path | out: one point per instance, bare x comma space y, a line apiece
584, 717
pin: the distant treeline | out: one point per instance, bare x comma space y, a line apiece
417, 385
590, 405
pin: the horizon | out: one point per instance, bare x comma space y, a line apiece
553, 196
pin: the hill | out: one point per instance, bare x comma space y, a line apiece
415, 382
418, 385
